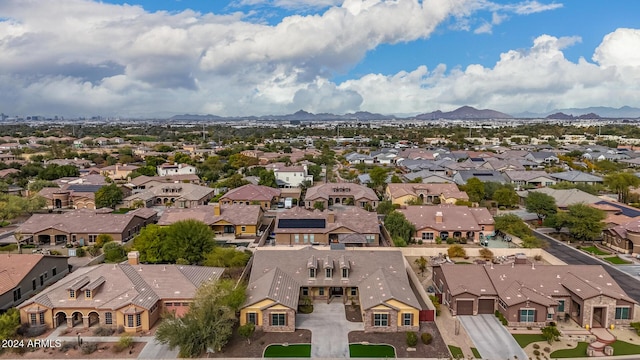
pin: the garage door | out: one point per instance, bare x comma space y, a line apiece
485, 306
464, 307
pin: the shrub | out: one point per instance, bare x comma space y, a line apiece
537, 257
536, 352
89, 348
427, 338
123, 343
550, 333
456, 251
399, 242
103, 331
536, 346
450, 240
412, 339
438, 240
55, 252
436, 303
486, 254
66, 346
547, 349
420, 242
81, 252
94, 250
28, 331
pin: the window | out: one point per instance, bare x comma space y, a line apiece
622, 313
560, 305
321, 291
93, 238
305, 291
328, 273
427, 236
305, 238
46, 274
72, 294
296, 238
108, 318
41, 280
482, 228
129, 320
549, 316
380, 319
33, 284
32, 319
312, 238
138, 319
354, 291
17, 294
87, 294
154, 308
407, 319
41, 318
370, 239
312, 273
345, 273
279, 319
243, 228
527, 315
54, 271
502, 304
251, 318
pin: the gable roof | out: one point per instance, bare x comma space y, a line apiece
251, 192
576, 176
14, 267
454, 218
301, 220
324, 191
236, 214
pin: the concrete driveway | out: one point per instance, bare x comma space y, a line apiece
329, 329
155, 350
492, 340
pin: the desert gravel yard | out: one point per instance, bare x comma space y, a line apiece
238, 347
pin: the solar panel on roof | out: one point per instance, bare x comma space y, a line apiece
85, 188
625, 210
301, 223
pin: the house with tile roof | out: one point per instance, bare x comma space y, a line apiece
528, 179
376, 280
444, 221
534, 295
290, 176
168, 169
577, 177
250, 194
181, 195
462, 176
118, 171
403, 194
341, 194
130, 295
350, 226
84, 226
563, 197
235, 220
23, 275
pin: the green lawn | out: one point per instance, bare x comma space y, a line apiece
616, 260
578, 351
595, 251
294, 350
456, 352
476, 353
526, 339
624, 348
371, 351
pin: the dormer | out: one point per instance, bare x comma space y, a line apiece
73, 289
328, 267
345, 266
312, 266
91, 289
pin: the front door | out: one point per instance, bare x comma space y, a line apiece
337, 291
598, 319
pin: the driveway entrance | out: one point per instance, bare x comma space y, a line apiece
329, 329
486, 331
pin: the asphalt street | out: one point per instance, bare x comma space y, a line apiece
630, 284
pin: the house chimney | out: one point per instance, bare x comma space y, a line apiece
331, 217
133, 257
216, 209
439, 217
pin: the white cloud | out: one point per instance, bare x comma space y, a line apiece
485, 28
619, 48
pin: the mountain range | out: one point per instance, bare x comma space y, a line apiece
462, 113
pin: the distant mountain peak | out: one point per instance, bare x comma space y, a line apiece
464, 112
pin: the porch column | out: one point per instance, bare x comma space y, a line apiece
52, 240
85, 321
344, 295
70, 321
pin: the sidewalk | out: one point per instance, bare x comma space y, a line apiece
446, 325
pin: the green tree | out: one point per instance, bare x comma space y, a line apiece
114, 253
102, 239
268, 178
9, 324
541, 204
550, 333
190, 240
226, 257
37, 185
208, 325
585, 222
512, 224
108, 196
556, 221
422, 264
153, 245
378, 177
456, 251
315, 171
233, 181
505, 197
385, 207
398, 226
620, 184
246, 331
475, 189
318, 205
396, 179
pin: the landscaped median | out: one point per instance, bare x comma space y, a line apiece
371, 351
288, 351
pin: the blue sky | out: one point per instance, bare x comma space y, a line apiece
253, 57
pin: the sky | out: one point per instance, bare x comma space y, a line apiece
158, 58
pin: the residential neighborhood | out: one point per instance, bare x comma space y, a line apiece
419, 246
